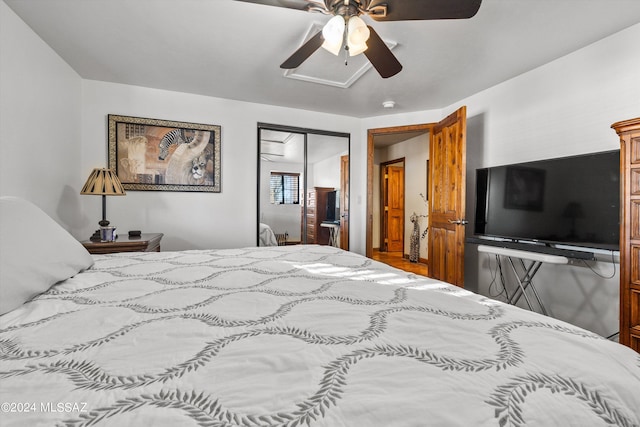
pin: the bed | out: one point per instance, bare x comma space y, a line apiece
267, 236
289, 336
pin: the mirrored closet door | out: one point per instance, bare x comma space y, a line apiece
303, 186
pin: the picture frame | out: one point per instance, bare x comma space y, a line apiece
164, 155
524, 188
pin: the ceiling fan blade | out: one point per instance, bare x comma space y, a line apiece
289, 4
305, 51
411, 10
381, 57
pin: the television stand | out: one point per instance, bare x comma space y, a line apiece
524, 278
533, 247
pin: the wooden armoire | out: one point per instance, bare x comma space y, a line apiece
316, 213
629, 132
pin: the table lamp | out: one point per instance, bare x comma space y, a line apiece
103, 182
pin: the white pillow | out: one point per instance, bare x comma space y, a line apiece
35, 253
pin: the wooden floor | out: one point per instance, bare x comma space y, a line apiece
395, 259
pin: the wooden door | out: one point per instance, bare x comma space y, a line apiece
393, 214
344, 202
447, 160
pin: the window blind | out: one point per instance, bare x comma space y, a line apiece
285, 188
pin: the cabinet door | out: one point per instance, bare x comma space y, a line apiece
629, 132
631, 271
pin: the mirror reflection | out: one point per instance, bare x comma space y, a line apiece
303, 188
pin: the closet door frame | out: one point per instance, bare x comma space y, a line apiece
306, 132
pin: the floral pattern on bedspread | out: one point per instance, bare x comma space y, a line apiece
297, 335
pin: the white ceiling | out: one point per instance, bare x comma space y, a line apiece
287, 147
232, 49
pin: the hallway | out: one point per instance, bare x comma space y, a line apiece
395, 259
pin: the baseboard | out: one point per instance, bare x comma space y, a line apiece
420, 260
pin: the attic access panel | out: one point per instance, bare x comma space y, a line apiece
328, 69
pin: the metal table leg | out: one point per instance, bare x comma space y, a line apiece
525, 281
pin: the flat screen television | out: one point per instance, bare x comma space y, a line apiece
333, 206
572, 201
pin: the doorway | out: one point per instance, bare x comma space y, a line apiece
410, 144
445, 197
303, 186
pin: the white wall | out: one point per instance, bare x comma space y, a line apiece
40, 116
196, 220
326, 173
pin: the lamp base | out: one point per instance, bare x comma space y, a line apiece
103, 223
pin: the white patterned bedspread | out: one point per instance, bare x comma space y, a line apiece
297, 335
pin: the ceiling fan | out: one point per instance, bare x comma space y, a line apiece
347, 31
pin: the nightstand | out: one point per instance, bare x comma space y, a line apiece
147, 242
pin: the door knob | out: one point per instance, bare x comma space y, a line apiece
458, 221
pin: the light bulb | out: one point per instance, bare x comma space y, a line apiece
358, 34
333, 33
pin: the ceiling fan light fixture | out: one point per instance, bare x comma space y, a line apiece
357, 35
346, 30
357, 50
333, 33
